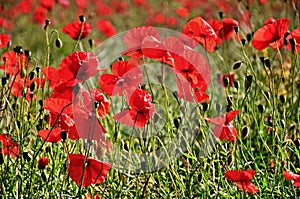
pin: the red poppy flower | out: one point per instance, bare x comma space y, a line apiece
224, 129
295, 34
77, 67
9, 147
87, 171
74, 29
60, 106
25, 87
4, 40
291, 176
40, 14
63, 3
269, 21
271, 34
133, 39
89, 196
164, 51
140, 111
106, 27
13, 62
53, 135
102, 102
103, 9
200, 30
228, 28
182, 12
47, 3
81, 3
242, 179
192, 76
171, 21
125, 76
42, 162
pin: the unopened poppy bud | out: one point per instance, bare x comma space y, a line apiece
282, 124
1, 159
8, 43
27, 53
160, 79
249, 37
293, 43
91, 43
236, 29
218, 107
64, 135
268, 63
32, 86
229, 100
58, 43
246, 108
236, 85
4, 81
204, 106
18, 49
248, 82
226, 81
237, 65
260, 108
48, 149
221, 15
243, 42
81, 18
38, 69
245, 131
230, 159
262, 59
121, 59
177, 122
44, 176
292, 127
285, 42
282, 99
26, 156
42, 162
267, 94
47, 23
199, 177
175, 94
31, 75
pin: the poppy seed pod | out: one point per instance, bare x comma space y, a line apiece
293, 44
261, 108
81, 18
